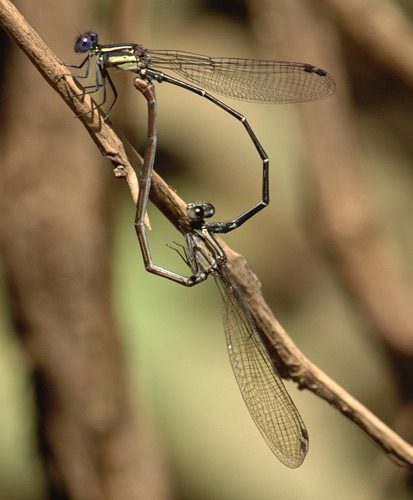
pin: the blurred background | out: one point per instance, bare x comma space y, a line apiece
115, 383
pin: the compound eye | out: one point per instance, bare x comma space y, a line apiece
86, 42
195, 212
200, 211
209, 210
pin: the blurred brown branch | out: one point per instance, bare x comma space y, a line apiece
347, 221
381, 29
290, 361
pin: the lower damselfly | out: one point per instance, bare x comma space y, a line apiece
262, 389
253, 80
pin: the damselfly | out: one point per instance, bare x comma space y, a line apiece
266, 398
252, 80
264, 393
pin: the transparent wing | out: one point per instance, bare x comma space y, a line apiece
248, 79
267, 400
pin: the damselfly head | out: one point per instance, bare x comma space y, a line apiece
200, 211
87, 41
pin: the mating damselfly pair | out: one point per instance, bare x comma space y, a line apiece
263, 81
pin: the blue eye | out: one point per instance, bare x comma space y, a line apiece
86, 42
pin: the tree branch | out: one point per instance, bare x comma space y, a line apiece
289, 360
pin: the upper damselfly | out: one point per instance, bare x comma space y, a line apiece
254, 80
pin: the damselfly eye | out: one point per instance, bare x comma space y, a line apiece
195, 211
200, 211
208, 209
86, 42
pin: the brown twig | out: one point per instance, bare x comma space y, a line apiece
290, 361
